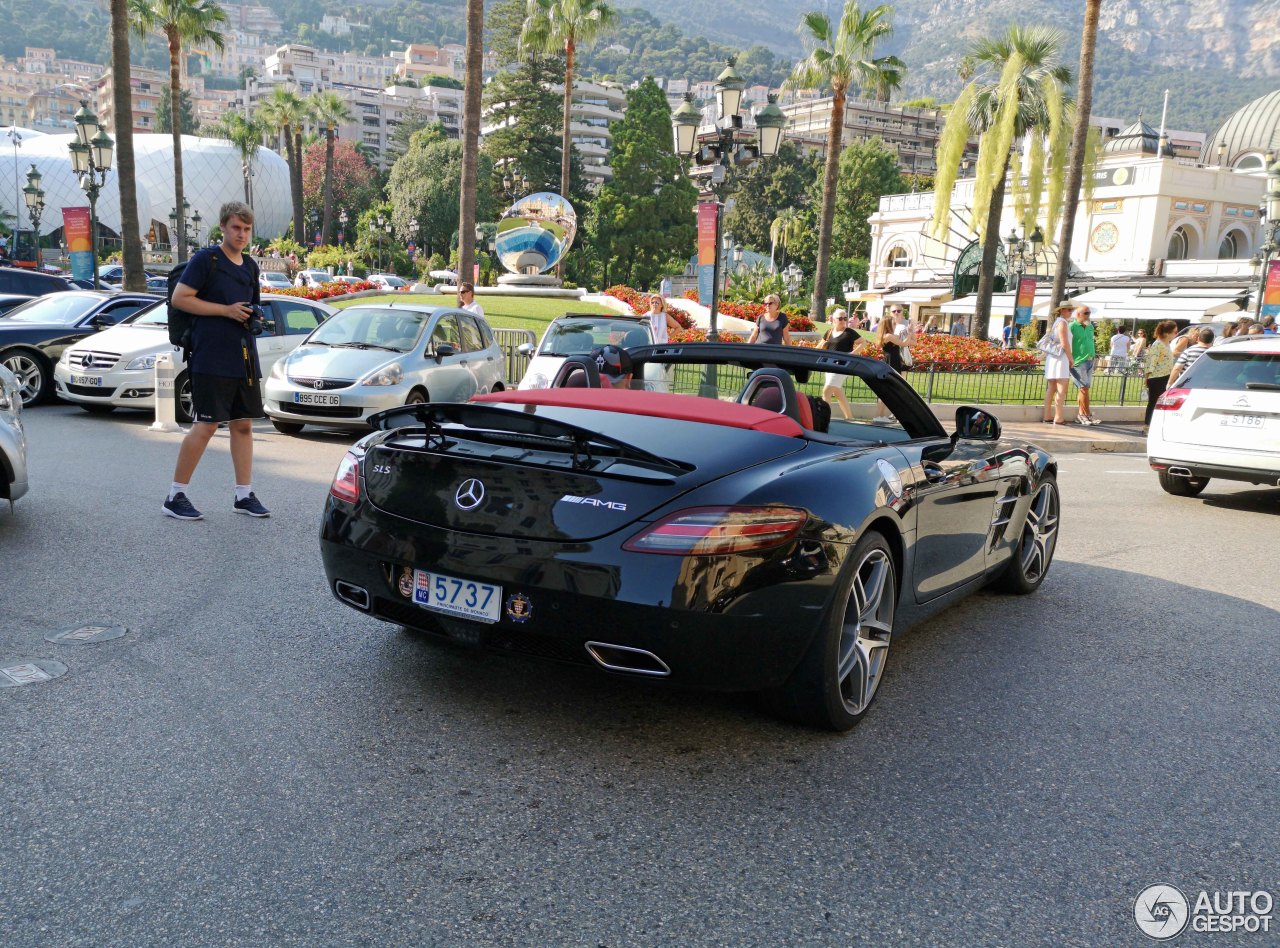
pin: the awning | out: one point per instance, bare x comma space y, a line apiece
1001, 304
919, 295
1189, 305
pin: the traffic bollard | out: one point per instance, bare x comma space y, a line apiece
166, 395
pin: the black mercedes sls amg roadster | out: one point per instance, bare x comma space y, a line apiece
710, 525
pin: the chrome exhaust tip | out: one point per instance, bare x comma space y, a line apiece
1179, 471
622, 658
352, 595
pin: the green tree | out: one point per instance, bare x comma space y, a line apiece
562, 25
245, 134
868, 171
783, 232
524, 116
767, 189
424, 185
1018, 88
329, 111
186, 109
194, 22
839, 57
642, 221
285, 111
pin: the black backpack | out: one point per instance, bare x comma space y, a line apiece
180, 321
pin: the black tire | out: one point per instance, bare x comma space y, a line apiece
1182, 486
182, 386
35, 382
287, 427
416, 397
1033, 553
839, 677
98, 409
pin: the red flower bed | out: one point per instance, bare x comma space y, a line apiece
639, 303
326, 291
964, 349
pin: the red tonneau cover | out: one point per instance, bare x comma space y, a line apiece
709, 411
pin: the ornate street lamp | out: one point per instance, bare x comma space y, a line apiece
794, 277
1270, 233
1025, 253
91, 154
342, 227
33, 195
727, 146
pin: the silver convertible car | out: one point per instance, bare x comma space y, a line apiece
380, 355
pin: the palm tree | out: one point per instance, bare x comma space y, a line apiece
179, 21
245, 134
1079, 140
329, 111
470, 137
838, 58
890, 73
1018, 88
555, 26
786, 228
285, 111
126, 179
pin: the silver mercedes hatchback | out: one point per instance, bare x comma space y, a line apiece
13, 439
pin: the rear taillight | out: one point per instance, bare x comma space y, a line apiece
1172, 399
714, 531
346, 482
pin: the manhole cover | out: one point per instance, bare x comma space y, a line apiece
87, 634
33, 672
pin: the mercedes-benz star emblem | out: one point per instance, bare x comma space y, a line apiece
469, 494
319, 384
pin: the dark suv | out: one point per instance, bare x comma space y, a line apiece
30, 283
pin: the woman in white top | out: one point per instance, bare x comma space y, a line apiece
1057, 372
1119, 357
661, 323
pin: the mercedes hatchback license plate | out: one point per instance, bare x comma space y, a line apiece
95, 380
1241, 420
313, 398
457, 597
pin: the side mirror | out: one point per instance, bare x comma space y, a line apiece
974, 424
444, 350
101, 321
525, 349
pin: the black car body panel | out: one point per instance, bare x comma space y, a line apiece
26, 282
949, 508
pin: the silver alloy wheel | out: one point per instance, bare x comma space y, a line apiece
1039, 533
867, 629
186, 408
30, 376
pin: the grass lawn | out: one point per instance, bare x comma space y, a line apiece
502, 312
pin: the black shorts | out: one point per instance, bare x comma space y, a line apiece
216, 399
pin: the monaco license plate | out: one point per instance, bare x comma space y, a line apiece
314, 398
95, 380
1242, 420
457, 597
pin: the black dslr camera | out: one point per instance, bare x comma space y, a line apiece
257, 321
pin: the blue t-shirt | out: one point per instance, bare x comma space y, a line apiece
219, 344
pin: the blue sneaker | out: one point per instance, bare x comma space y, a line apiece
252, 506
181, 509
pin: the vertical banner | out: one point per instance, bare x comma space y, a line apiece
1271, 290
706, 250
76, 227
1025, 300
475, 274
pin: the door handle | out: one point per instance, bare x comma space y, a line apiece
933, 473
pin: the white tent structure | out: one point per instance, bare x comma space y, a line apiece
211, 171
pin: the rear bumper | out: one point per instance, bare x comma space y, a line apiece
714, 627
1252, 475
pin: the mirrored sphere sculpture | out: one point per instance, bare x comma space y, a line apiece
535, 233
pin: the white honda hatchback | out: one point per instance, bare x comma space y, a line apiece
1221, 420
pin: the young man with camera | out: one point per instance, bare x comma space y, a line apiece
220, 287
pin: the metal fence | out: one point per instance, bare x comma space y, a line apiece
515, 362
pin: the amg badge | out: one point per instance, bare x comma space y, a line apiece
593, 502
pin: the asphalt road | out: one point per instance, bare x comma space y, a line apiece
256, 764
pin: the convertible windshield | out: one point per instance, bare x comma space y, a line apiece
58, 309
580, 336
381, 327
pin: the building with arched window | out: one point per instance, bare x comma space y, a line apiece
1154, 223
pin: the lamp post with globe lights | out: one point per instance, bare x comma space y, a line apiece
1025, 252
1270, 234
727, 146
91, 160
33, 195
342, 227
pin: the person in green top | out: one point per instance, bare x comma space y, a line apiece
1083, 355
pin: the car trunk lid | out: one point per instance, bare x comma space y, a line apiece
546, 475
